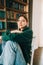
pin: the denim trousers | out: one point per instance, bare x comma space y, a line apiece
12, 54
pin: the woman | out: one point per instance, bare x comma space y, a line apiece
17, 49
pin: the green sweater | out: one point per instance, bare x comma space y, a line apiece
24, 39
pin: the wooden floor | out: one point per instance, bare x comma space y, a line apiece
38, 57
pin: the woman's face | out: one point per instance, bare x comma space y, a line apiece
22, 22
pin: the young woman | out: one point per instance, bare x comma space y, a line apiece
17, 49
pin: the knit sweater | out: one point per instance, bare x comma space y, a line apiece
24, 39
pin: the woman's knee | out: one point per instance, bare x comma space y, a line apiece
11, 45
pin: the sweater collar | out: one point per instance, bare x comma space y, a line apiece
25, 28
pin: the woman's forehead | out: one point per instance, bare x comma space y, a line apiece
21, 18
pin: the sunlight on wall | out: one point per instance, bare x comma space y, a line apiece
41, 26
36, 19
37, 23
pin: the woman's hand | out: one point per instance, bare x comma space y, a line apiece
16, 31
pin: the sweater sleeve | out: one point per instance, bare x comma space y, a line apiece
24, 36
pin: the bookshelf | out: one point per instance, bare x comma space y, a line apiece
10, 10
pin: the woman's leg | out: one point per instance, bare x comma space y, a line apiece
9, 53
12, 54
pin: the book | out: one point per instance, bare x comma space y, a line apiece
17, 15
12, 14
8, 14
25, 1
12, 25
2, 25
9, 3
21, 7
20, 0
2, 2
15, 5
2, 14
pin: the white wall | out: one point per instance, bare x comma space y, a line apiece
41, 26
37, 23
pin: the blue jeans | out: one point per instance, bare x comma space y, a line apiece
12, 54
3, 44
